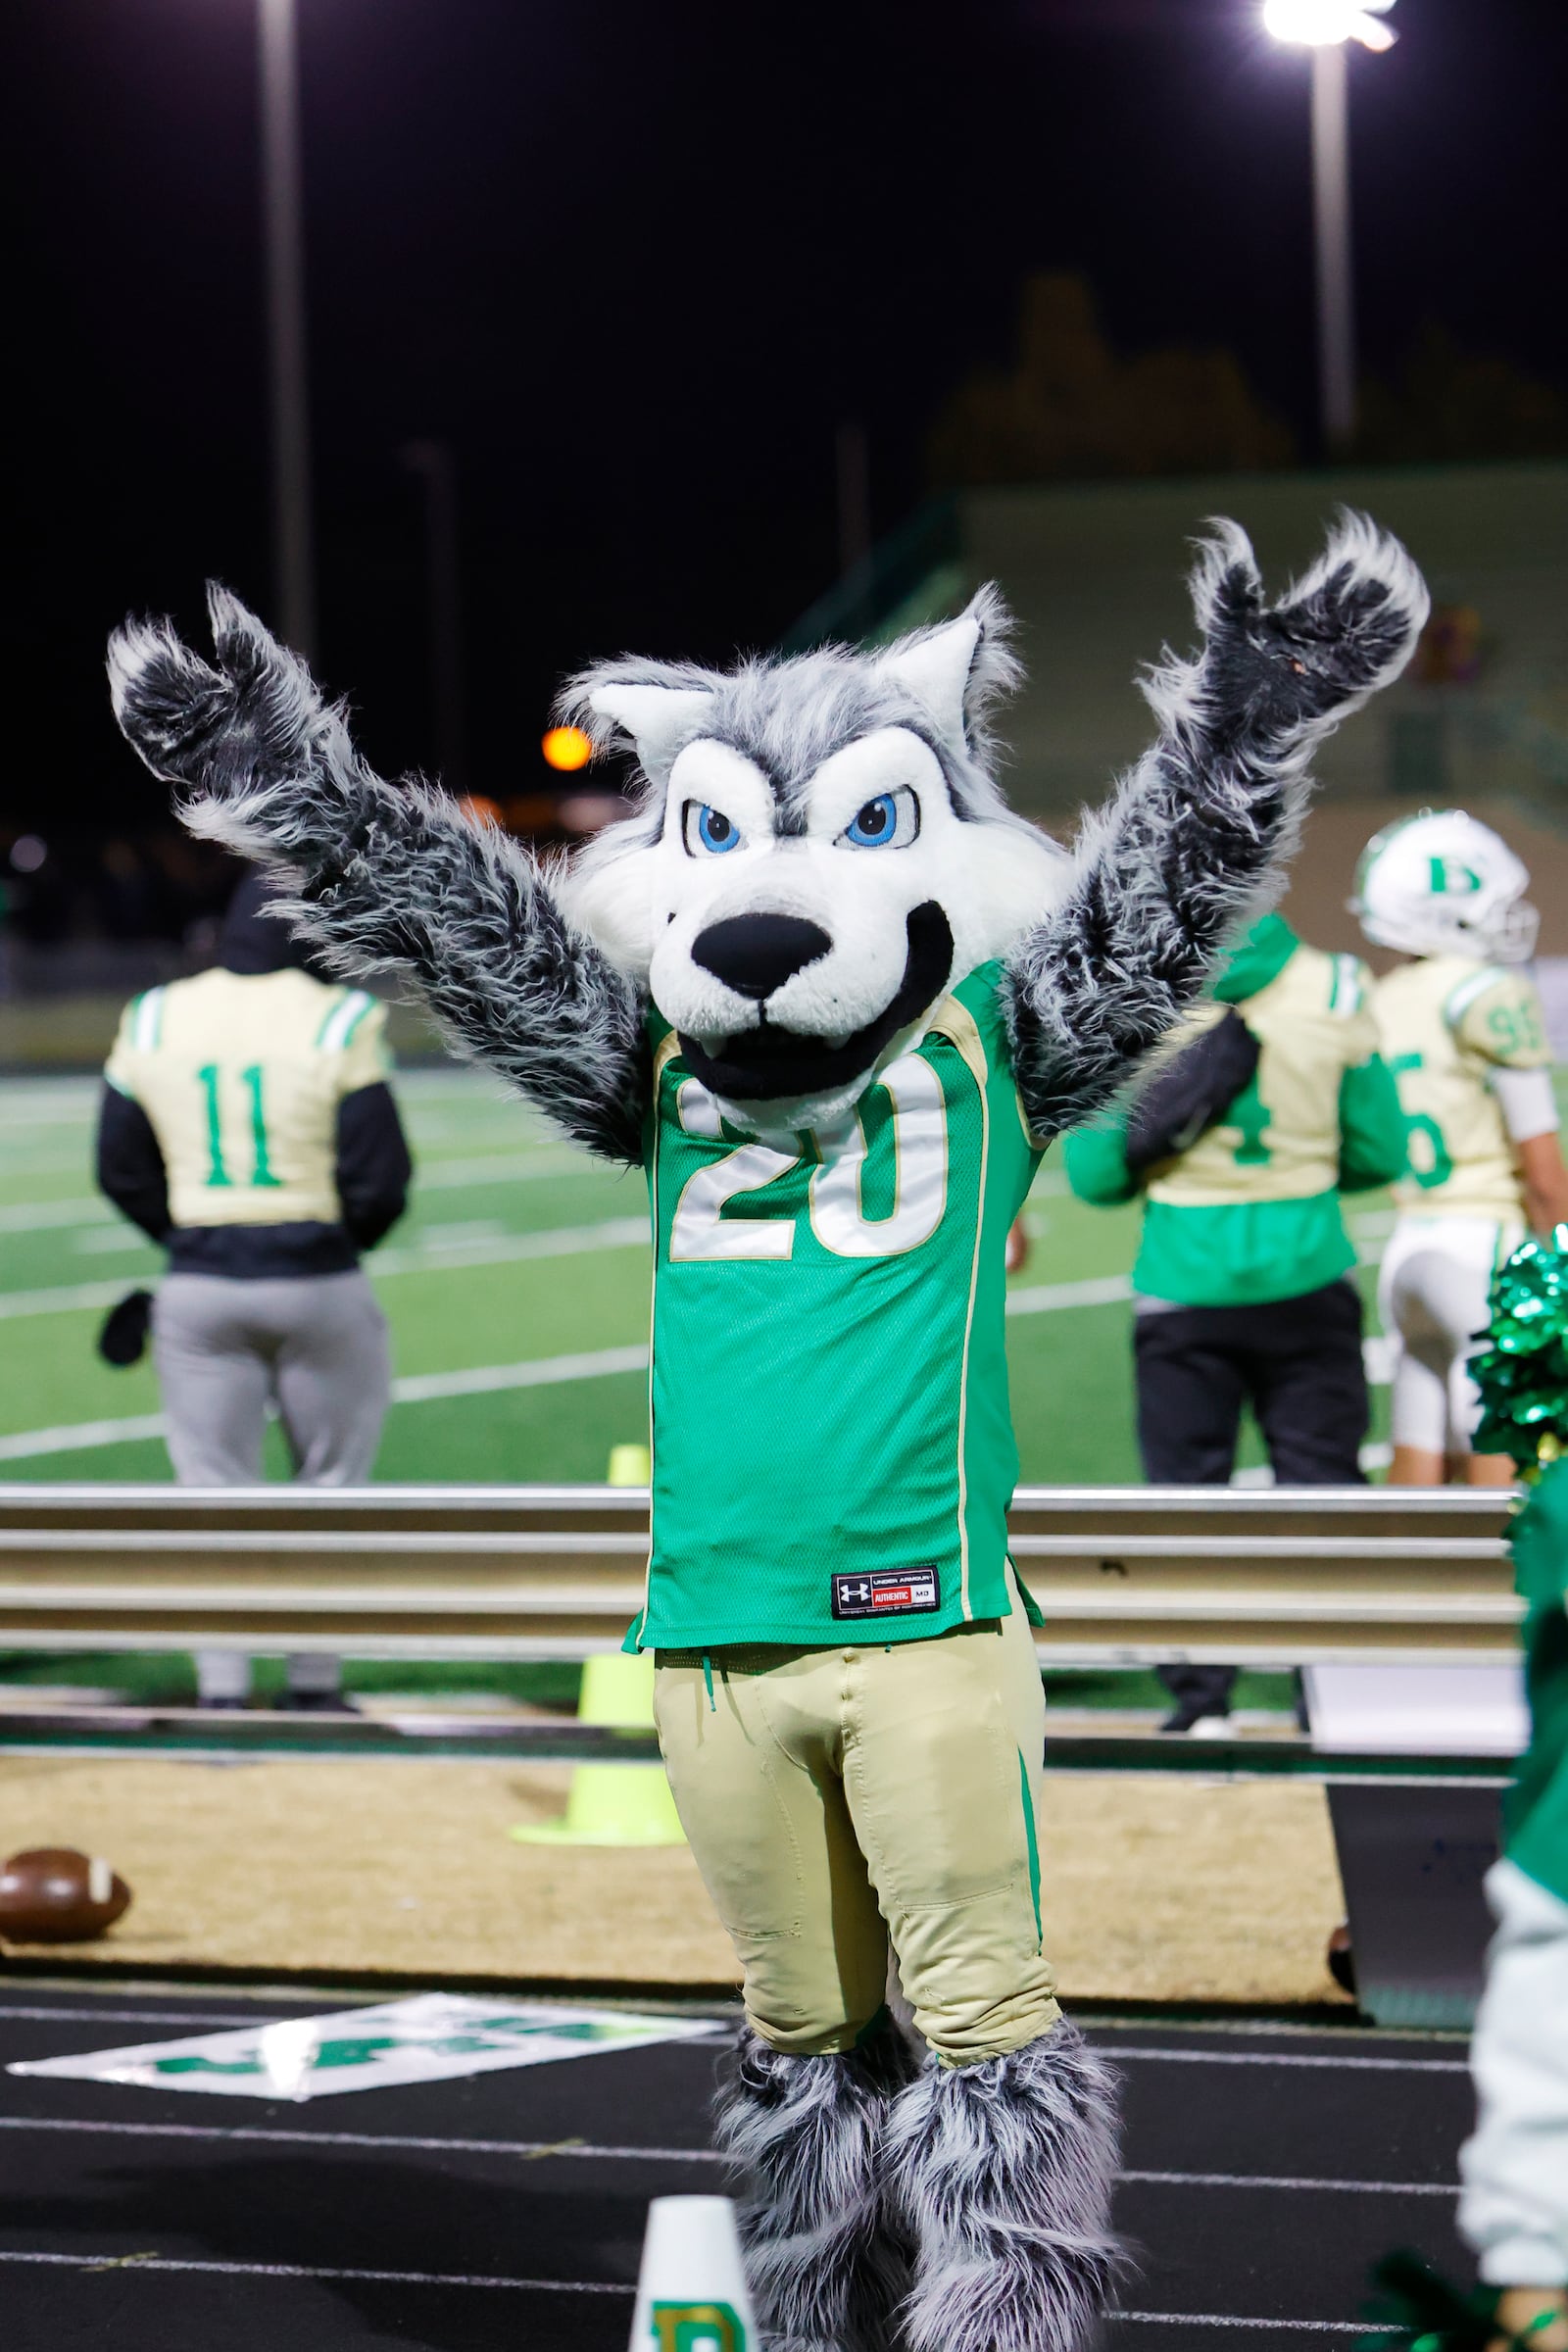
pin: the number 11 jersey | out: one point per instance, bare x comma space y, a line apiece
240, 1075
832, 1442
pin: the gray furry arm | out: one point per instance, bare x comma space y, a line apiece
1195, 841
387, 877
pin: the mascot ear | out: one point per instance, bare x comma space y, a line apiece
657, 720
958, 670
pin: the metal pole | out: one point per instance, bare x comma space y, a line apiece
1331, 213
432, 462
293, 558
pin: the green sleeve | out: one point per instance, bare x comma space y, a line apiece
1539, 1541
1372, 1128
1097, 1163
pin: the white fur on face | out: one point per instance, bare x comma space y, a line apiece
992, 879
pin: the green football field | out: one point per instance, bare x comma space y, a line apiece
517, 1289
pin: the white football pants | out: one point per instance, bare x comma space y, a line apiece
1432, 1297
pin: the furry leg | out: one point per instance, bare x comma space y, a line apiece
824, 2261
1001, 2175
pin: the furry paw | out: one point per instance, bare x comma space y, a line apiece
1336, 636
220, 731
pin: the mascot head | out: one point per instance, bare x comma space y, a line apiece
820, 852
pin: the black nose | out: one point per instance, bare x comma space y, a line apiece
755, 953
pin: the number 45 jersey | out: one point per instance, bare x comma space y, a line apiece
240, 1076
1451, 1026
832, 1442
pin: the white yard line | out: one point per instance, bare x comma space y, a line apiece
560, 1241
564, 1241
431, 1175
422, 1388
1048, 1298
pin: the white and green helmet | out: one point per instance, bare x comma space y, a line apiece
1443, 884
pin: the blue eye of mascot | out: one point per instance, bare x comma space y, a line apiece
836, 999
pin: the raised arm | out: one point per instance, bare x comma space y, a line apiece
1196, 839
388, 877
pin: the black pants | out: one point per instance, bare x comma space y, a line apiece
1297, 1362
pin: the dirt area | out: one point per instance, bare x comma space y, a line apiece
1154, 1888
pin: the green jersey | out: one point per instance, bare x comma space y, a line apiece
1536, 1816
833, 1448
1250, 1212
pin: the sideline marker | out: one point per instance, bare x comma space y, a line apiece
691, 2289
615, 1804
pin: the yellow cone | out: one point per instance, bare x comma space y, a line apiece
615, 1804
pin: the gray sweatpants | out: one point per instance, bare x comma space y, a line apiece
315, 1347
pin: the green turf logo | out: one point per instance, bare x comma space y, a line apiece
698, 2327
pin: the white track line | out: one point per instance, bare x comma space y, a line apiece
1354, 2189
1220, 2318
1383, 2066
138, 2017
419, 1388
530, 2150
120, 2263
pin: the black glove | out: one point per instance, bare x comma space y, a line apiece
123, 1339
1190, 1092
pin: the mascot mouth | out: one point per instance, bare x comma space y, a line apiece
771, 1064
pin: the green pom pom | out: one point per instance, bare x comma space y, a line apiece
1522, 1366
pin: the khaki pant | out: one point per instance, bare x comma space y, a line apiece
838, 1798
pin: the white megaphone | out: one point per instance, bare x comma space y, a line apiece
691, 2289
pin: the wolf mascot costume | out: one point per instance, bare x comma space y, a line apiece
835, 999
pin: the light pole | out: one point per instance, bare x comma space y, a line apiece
1324, 26
293, 556
432, 462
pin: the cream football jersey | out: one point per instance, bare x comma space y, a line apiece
1280, 1139
1446, 1022
240, 1076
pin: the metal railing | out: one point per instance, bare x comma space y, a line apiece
1125, 1576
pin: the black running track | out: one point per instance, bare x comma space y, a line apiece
1265, 2171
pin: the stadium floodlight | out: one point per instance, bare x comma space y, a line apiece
1325, 26
1318, 23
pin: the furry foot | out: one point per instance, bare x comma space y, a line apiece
1001, 2175
826, 2266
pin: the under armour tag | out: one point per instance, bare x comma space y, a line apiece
886, 1593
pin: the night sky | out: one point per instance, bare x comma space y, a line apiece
634, 263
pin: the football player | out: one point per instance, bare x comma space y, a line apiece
247, 1126
1274, 1103
1463, 1033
